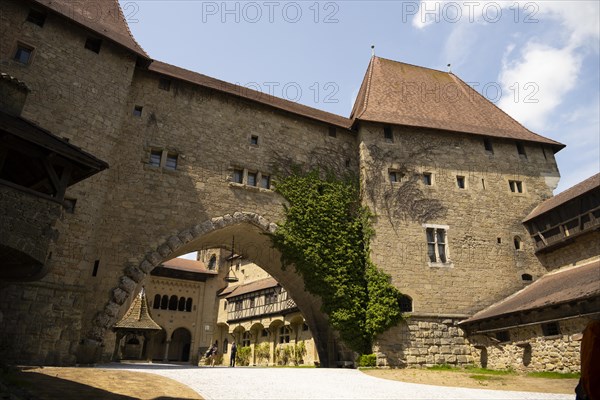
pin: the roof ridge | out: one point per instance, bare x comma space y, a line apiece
120, 10
412, 65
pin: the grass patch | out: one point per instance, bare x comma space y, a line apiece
485, 371
443, 367
485, 377
555, 375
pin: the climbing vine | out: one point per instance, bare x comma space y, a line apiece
326, 235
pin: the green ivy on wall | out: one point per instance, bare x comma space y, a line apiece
326, 235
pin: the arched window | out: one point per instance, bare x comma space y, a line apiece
164, 303
188, 305
517, 242
156, 302
225, 345
173, 303
527, 277
405, 303
181, 305
212, 263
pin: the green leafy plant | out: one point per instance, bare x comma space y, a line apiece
263, 351
367, 360
299, 353
242, 357
326, 235
284, 354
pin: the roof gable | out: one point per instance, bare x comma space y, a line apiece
138, 316
403, 94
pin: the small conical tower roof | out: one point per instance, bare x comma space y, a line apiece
138, 316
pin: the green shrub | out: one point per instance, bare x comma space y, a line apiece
367, 360
284, 354
242, 357
263, 351
299, 353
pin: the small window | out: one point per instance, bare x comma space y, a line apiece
96, 266
171, 162
517, 242
427, 178
188, 305
238, 305
521, 150
164, 84
394, 176
156, 302
516, 186
238, 176
212, 263
460, 182
265, 182
164, 302
181, 304
155, 156
93, 44
173, 303
436, 245
388, 134
499, 240
23, 54
503, 336
405, 303
36, 17
332, 131
487, 144
527, 277
251, 178
137, 111
551, 329
69, 205
254, 140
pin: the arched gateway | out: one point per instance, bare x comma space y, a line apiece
251, 237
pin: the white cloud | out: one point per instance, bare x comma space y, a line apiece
534, 85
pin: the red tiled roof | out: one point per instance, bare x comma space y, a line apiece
580, 189
402, 94
246, 93
138, 316
562, 286
104, 17
182, 264
252, 287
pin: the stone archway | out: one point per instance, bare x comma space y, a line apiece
251, 238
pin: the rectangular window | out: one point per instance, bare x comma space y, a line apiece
551, 329
95, 270
487, 144
427, 178
521, 150
238, 305
388, 134
332, 131
254, 140
137, 111
436, 245
238, 176
155, 156
516, 186
270, 297
251, 302
171, 162
36, 17
251, 178
23, 54
460, 181
503, 336
393, 177
93, 44
164, 84
265, 182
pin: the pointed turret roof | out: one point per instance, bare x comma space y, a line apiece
403, 94
138, 316
104, 17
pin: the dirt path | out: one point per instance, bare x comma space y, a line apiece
467, 379
91, 383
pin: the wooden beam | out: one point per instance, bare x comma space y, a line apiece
52, 174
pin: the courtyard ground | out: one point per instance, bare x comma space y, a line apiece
162, 381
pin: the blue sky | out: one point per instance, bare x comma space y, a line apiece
538, 61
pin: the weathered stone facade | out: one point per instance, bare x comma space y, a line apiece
137, 214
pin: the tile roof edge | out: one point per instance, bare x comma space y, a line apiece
289, 105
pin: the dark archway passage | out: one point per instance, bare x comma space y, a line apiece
252, 241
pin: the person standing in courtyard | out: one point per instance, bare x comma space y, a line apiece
233, 354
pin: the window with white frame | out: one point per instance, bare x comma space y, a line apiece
437, 243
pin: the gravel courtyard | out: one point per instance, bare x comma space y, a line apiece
312, 383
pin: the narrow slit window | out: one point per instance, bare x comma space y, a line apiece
487, 144
521, 150
156, 302
96, 266
155, 156
254, 140
23, 54
427, 178
37, 17
251, 178
171, 162
93, 44
517, 242
388, 134
460, 182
